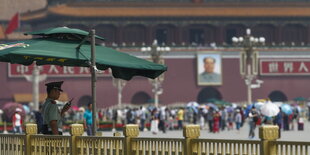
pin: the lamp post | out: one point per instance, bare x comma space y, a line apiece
35, 78
249, 60
156, 51
119, 84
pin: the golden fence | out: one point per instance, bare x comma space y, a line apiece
12, 144
292, 148
130, 144
225, 147
48, 144
99, 145
160, 146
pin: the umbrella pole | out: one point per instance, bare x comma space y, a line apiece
93, 80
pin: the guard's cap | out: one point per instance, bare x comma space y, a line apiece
54, 85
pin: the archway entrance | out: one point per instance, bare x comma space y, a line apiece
208, 93
140, 98
84, 101
277, 96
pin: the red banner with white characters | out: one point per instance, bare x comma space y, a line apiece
285, 67
16, 70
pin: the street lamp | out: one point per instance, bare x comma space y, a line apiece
249, 60
35, 78
119, 84
156, 51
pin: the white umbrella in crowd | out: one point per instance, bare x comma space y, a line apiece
258, 105
192, 104
270, 109
279, 104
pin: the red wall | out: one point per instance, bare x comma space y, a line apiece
180, 85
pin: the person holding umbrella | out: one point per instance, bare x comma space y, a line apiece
52, 116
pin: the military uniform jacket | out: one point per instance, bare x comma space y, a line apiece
51, 112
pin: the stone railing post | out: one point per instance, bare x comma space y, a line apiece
268, 134
190, 132
76, 130
31, 129
130, 131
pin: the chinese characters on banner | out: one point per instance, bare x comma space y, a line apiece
285, 67
16, 70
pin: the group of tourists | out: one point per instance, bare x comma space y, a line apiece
209, 117
164, 118
212, 119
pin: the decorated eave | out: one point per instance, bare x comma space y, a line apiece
171, 10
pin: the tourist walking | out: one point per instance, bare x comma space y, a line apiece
17, 121
253, 119
238, 119
88, 120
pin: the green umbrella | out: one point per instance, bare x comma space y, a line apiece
222, 103
64, 53
212, 100
300, 99
69, 47
63, 33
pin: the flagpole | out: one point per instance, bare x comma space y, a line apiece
93, 79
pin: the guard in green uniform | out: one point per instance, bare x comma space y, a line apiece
52, 116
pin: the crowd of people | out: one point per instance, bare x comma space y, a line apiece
163, 118
214, 117
210, 118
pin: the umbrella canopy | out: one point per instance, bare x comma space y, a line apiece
287, 109
70, 47
26, 109
212, 100
234, 105
230, 109
269, 109
211, 105
300, 99
192, 104
203, 106
63, 33
10, 109
278, 103
222, 103
64, 53
248, 109
258, 105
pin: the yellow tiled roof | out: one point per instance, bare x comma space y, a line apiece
215, 10
183, 11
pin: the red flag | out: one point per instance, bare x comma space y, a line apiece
14, 24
